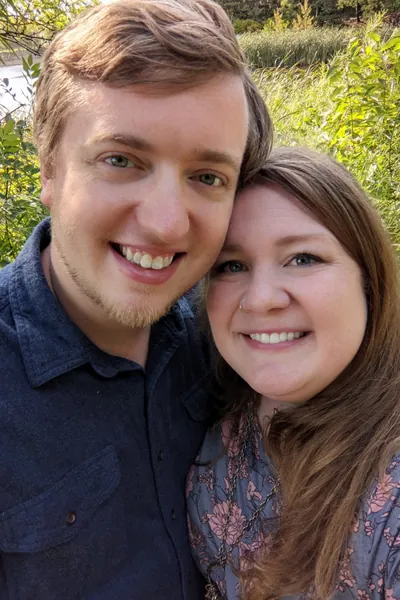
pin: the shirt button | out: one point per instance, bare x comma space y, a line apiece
173, 515
71, 518
160, 456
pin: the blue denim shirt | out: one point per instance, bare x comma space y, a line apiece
94, 451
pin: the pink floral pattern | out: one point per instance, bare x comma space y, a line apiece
227, 520
383, 493
370, 567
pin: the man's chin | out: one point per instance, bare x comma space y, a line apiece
138, 316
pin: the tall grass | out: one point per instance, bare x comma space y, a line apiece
290, 47
297, 99
300, 47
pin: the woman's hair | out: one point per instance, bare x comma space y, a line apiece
328, 450
171, 43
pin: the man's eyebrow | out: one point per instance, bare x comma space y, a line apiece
133, 141
218, 157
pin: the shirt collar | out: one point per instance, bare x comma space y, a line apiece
51, 344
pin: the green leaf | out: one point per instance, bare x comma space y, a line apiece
393, 42
25, 65
8, 127
374, 36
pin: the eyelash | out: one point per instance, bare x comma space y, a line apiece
134, 163
109, 158
315, 259
221, 268
218, 269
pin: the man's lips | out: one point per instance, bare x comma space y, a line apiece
149, 257
153, 274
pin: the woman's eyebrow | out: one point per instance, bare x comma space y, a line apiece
295, 239
232, 248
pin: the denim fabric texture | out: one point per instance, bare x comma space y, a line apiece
94, 450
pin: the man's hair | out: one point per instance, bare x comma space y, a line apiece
328, 451
166, 42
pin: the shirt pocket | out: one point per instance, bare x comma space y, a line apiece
57, 515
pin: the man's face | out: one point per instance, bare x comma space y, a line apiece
141, 193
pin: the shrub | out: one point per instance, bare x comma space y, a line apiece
20, 208
246, 26
364, 124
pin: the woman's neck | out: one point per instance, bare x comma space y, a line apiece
267, 407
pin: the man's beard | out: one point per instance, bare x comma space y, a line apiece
139, 316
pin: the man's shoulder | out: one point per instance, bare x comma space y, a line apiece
10, 355
5, 277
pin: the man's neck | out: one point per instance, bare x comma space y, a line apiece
111, 337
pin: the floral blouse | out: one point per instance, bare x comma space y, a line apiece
233, 509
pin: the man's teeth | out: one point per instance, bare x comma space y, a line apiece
145, 260
276, 338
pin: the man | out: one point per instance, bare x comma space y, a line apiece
145, 122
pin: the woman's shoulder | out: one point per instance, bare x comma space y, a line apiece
383, 496
379, 517
232, 450
230, 478
230, 497
371, 564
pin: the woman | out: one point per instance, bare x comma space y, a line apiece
296, 491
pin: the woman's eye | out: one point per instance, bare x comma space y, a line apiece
304, 259
230, 266
210, 180
118, 160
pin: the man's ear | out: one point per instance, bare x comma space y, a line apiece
46, 194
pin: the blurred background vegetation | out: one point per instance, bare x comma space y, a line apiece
329, 71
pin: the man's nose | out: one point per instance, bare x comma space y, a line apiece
163, 211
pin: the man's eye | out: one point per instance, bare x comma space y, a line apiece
230, 266
210, 180
304, 259
118, 160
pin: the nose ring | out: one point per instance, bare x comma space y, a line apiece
242, 303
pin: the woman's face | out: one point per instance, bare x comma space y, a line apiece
303, 312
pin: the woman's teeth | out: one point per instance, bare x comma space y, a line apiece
276, 338
145, 260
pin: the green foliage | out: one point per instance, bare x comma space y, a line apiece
303, 18
324, 11
20, 208
367, 8
288, 9
298, 100
25, 25
30, 24
281, 18
349, 108
246, 26
364, 125
287, 48
289, 15
257, 10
